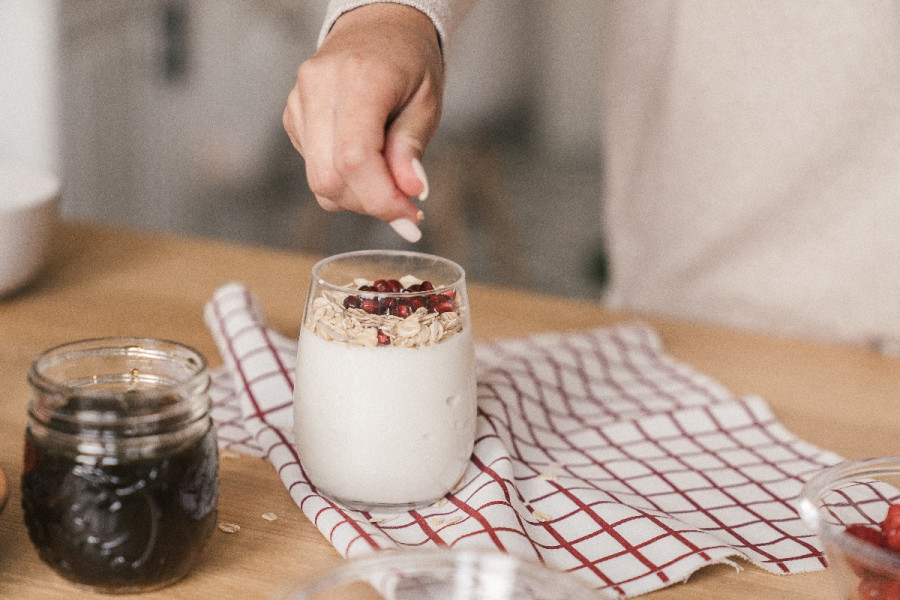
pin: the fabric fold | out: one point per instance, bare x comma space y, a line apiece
596, 453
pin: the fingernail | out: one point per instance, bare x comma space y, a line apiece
406, 229
419, 170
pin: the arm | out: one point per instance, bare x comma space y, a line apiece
365, 106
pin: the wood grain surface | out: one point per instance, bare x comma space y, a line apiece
110, 281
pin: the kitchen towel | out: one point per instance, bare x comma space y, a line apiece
596, 453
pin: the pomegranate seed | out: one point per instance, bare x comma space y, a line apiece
351, 302
383, 339
367, 288
449, 293
370, 305
890, 528
382, 285
426, 286
416, 303
444, 306
416, 287
394, 286
877, 588
402, 310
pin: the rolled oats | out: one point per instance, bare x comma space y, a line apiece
331, 321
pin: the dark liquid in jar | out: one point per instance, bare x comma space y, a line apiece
130, 526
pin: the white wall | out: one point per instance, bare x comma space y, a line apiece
28, 82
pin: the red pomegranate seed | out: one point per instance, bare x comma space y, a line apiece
352, 302
367, 288
383, 339
878, 588
416, 287
402, 310
394, 286
416, 303
890, 528
382, 285
370, 305
443, 306
426, 286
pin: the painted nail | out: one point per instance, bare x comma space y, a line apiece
419, 170
406, 229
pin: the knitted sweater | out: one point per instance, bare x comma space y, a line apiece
752, 162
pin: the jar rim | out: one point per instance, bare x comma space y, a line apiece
189, 386
38, 378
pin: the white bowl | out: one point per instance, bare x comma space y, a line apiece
29, 205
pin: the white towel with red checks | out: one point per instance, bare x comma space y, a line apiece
596, 453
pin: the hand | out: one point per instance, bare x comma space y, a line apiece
363, 109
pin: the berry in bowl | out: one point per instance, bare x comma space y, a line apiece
854, 508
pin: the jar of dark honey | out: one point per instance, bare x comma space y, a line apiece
120, 480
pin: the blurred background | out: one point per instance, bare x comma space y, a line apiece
166, 115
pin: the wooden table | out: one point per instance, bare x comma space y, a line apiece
105, 281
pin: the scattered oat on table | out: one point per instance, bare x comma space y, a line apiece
381, 518
269, 516
229, 527
541, 516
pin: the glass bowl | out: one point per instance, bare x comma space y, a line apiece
439, 574
856, 493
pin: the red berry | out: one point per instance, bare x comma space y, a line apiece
890, 528
370, 305
402, 310
869, 589
444, 306
351, 302
383, 339
891, 590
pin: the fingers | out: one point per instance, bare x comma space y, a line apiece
363, 109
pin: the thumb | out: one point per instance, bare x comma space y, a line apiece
403, 153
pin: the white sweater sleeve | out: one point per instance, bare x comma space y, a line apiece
445, 14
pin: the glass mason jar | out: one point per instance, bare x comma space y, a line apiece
120, 479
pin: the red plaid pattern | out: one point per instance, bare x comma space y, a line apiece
597, 454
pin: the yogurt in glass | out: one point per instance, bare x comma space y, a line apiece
384, 394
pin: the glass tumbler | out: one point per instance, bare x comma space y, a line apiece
384, 394
120, 481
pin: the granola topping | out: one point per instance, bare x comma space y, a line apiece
365, 320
